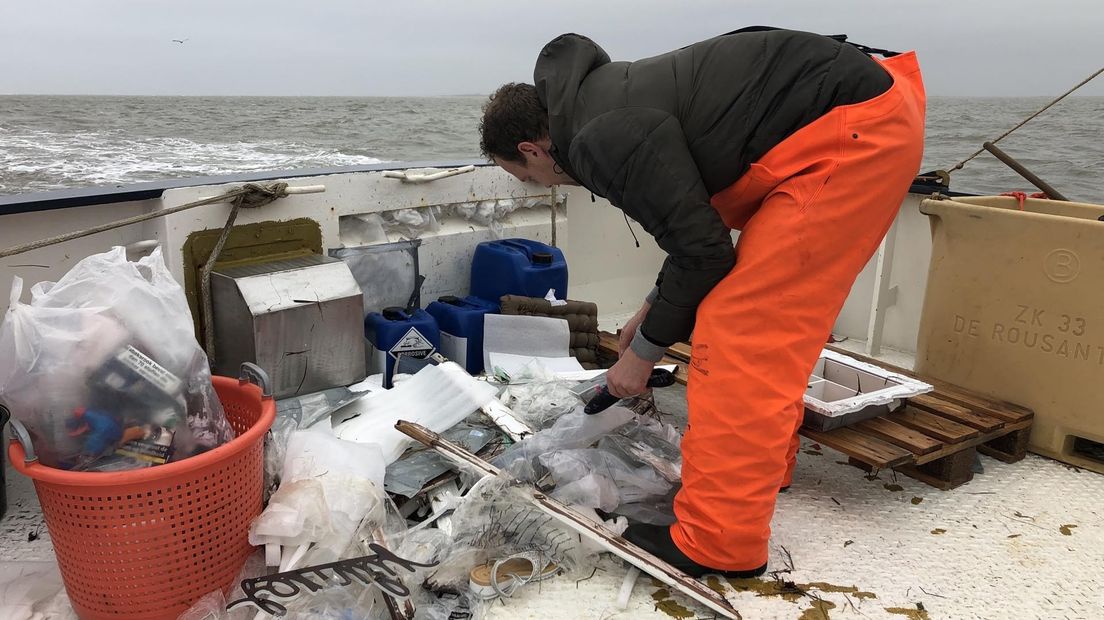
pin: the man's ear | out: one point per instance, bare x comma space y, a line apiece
530, 150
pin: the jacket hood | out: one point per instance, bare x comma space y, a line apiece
561, 67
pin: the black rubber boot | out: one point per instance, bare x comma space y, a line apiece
656, 539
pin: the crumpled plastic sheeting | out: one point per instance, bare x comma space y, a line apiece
601, 479
634, 470
437, 397
361, 229
310, 409
300, 412
539, 398
409, 475
383, 525
411, 223
490, 213
329, 486
415, 222
450, 606
352, 602
429, 546
296, 515
655, 511
648, 442
571, 431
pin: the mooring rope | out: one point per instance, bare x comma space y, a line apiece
246, 193
252, 196
962, 163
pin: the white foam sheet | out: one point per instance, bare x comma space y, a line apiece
524, 335
437, 397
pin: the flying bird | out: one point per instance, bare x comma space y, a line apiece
179, 40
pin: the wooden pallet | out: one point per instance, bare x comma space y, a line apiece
937, 436
934, 438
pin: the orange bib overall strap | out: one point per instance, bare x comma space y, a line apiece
812, 212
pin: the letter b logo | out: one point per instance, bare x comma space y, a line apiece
1061, 266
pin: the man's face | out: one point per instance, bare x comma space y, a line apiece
536, 173
537, 166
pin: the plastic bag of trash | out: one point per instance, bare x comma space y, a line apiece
104, 369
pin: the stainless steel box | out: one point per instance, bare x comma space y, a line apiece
301, 320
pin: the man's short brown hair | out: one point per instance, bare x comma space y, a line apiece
512, 115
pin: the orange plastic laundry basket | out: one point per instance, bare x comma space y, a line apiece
146, 544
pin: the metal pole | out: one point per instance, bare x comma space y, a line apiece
1024, 172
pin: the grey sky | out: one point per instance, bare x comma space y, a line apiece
416, 47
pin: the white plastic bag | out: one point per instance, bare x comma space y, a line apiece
104, 369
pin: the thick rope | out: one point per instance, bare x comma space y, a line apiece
252, 196
42, 243
962, 163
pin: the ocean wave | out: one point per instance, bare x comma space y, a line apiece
35, 160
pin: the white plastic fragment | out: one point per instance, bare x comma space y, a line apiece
272, 554
507, 420
550, 297
627, 587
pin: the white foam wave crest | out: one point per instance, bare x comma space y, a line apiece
35, 160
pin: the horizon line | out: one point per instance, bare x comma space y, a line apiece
976, 96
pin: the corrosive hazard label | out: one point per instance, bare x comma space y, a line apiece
412, 344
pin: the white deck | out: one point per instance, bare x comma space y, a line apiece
993, 548
963, 553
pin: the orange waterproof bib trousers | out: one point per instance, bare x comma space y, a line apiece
812, 212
